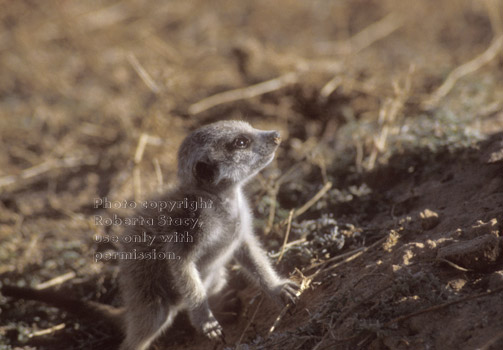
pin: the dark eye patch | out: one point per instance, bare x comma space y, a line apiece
240, 142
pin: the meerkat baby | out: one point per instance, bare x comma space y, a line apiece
214, 162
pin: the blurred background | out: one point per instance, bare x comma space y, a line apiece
96, 96
82, 81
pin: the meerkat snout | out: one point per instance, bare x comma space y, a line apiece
275, 137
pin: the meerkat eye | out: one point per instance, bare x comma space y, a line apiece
241, 142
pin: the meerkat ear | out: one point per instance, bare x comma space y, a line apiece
205, 172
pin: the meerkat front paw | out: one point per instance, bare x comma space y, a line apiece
285, 292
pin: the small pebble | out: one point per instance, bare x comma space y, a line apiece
429, 219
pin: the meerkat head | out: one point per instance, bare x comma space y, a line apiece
225, 153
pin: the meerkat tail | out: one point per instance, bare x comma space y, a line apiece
88, 309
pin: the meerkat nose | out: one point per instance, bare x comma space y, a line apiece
276, 137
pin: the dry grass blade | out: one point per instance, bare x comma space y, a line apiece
456, 266
249, 322
289, 245
320, 343
105, 17
158, 173
56, 280
274, 194
389, 115
349, 256
143, 74
441, 306
330, 87
138, 156
140, 148
287, 234
463, 70
337, 257
491, 342
244, 93
47, 166
312, 201
490, 109
307, 205
306, 282
366, 37
494, 12
272, 209
348, 259
375, 32
47, 331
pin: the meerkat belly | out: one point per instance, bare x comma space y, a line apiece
216, 269
219, 251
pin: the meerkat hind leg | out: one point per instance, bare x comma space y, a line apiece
223, 301
144, 324
216, 282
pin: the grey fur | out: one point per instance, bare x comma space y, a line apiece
213, 165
